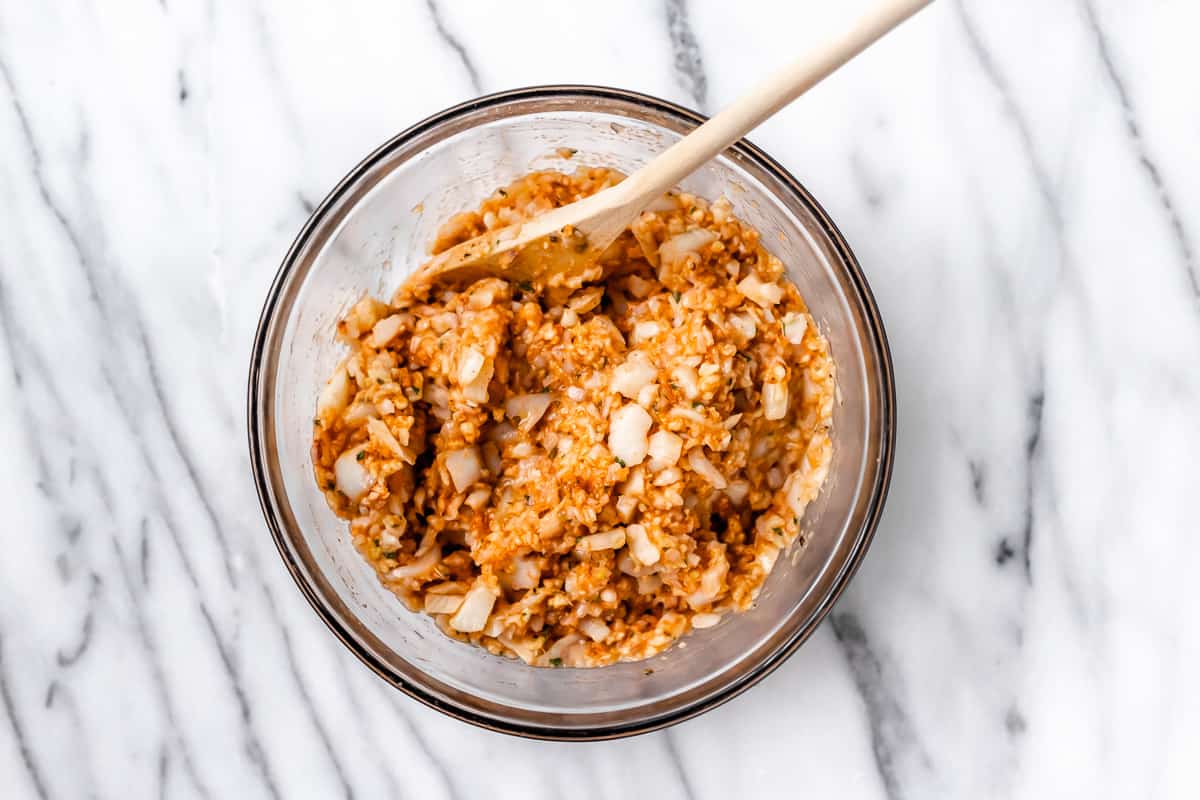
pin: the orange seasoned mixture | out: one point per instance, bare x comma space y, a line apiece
578, 479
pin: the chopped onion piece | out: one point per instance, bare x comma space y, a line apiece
643, 331
627, 434
422, 565
688, 381
705, 620
379, 432
638, 287
386, 329
626, 506
664, 202
633, 375
501, 432
635, 484
550, 524
473, 614
737, 491
664, 449
559, 648
464, 467
732, 421
528, 408
477, 390
796, 492
525, 650
525, 573
645, 398
605, 540
336, 393
705, 469
478, 498
681, 245
649, 584
668, 476
351, 476
711, 583
629, 566
437, 396
640, 546
595, 629
761, 292
794, 326
687, 413
470, 364
744, 324
442, 603
775, 400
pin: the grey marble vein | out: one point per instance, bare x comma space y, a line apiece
32, 770
158, 671
253, 745
306, 700
176, 440
1019, 121
686, 59
1035, 414
126, 308
36, 169
899, 751
681, 773
69, 656
1134, 130
452, 41
426, 750
367, 735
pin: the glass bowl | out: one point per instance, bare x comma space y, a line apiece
373, 228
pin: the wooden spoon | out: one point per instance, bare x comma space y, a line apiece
561, 247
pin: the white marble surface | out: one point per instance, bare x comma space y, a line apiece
1020, 182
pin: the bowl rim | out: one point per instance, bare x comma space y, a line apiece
877, 339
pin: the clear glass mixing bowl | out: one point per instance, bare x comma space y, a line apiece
373, 228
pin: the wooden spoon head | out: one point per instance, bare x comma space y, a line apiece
557, 249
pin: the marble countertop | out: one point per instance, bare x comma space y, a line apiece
1020, 183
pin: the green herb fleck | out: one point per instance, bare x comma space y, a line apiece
778, 530
525, 286
676, 296
556, 662
502, 193
553, 238
361, 455
581, 246
696, 404
317, 422
528, 500
546, 389
379, 381
619, 461
647, 672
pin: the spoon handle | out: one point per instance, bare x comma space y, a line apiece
781, 88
